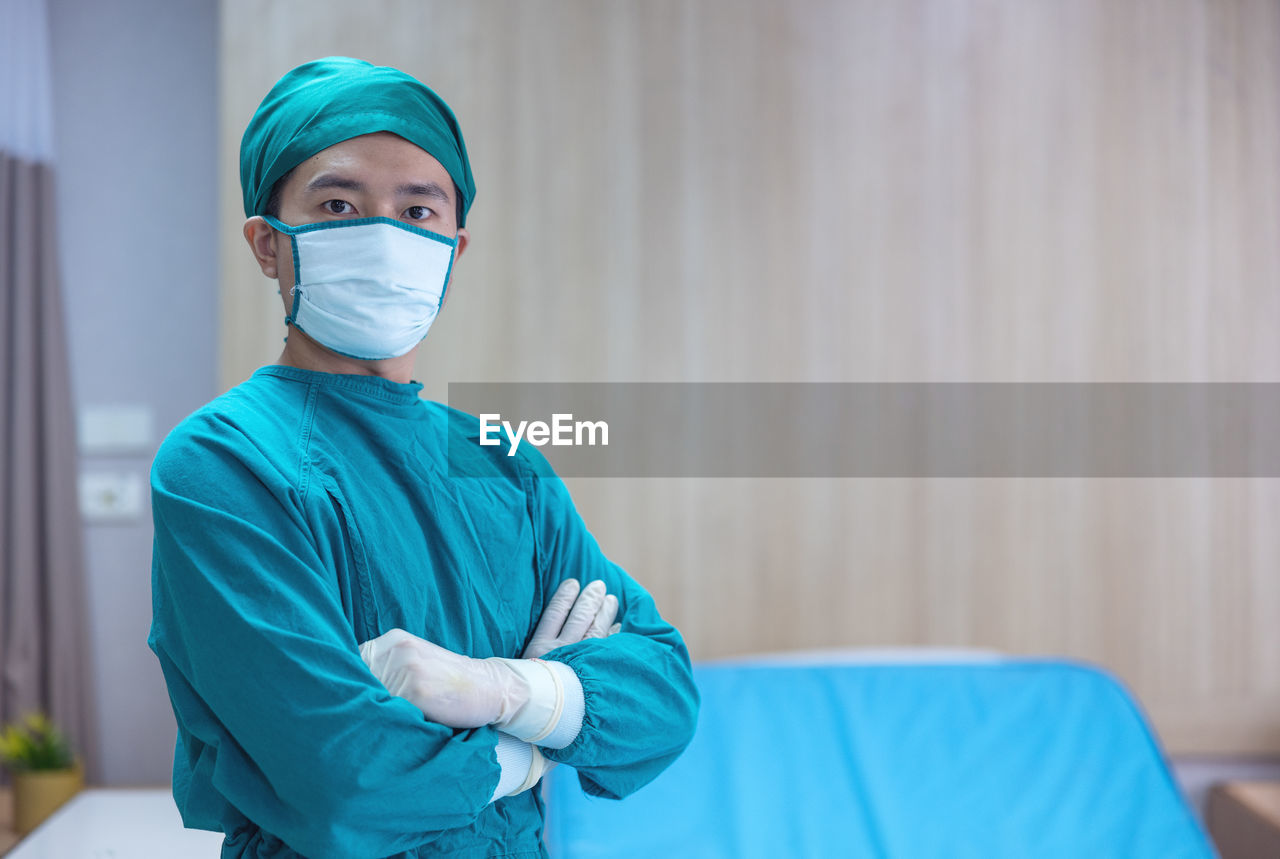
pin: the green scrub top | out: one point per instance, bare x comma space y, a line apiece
302, 513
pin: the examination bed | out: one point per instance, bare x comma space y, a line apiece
881, 756
884, 756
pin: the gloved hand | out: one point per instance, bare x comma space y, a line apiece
572, 616
449, 688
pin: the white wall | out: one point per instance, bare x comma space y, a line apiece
865, 191
135, 111
135, 83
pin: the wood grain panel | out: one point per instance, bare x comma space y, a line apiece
856, 190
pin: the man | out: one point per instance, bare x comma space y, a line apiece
366, 656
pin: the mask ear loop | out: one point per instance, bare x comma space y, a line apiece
297, 279
292, 232
448, 275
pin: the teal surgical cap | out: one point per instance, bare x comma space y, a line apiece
328, 101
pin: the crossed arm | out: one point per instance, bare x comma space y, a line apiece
532, 702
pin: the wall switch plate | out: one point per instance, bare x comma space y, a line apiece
115, 429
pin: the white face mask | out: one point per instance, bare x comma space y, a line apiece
367, 288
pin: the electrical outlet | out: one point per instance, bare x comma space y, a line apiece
111, 496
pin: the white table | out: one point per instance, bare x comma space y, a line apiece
117, 824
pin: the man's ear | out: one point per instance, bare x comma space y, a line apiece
464, 238
262, 241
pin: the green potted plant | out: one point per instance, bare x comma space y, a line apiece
45, 772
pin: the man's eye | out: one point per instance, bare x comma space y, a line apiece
338, 207
417, 213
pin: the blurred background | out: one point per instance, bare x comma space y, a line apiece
722, 191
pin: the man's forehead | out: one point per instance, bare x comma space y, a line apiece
377, 146
381, 157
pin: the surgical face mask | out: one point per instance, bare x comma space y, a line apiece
367, 288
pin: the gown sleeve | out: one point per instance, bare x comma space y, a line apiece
641, 704
275, 708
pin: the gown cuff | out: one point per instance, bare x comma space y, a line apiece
552, 714
515, 759
568, 726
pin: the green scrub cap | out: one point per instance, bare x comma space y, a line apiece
334, 99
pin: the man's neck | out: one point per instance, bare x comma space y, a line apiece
306, 354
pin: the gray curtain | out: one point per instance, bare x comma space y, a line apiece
43, 635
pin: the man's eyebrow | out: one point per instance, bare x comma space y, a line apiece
326, 181
429, 189
329, 180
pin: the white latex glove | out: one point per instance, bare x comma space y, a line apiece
572, 616
449, 688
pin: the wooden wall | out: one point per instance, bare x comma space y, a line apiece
863, 190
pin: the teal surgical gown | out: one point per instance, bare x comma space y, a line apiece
302, 513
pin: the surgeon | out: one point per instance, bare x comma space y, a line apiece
370, 654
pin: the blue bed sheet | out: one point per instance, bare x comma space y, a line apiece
1007, 758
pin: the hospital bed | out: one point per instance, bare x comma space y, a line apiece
897, 756
890, 755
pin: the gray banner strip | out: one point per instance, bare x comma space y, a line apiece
885, 429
